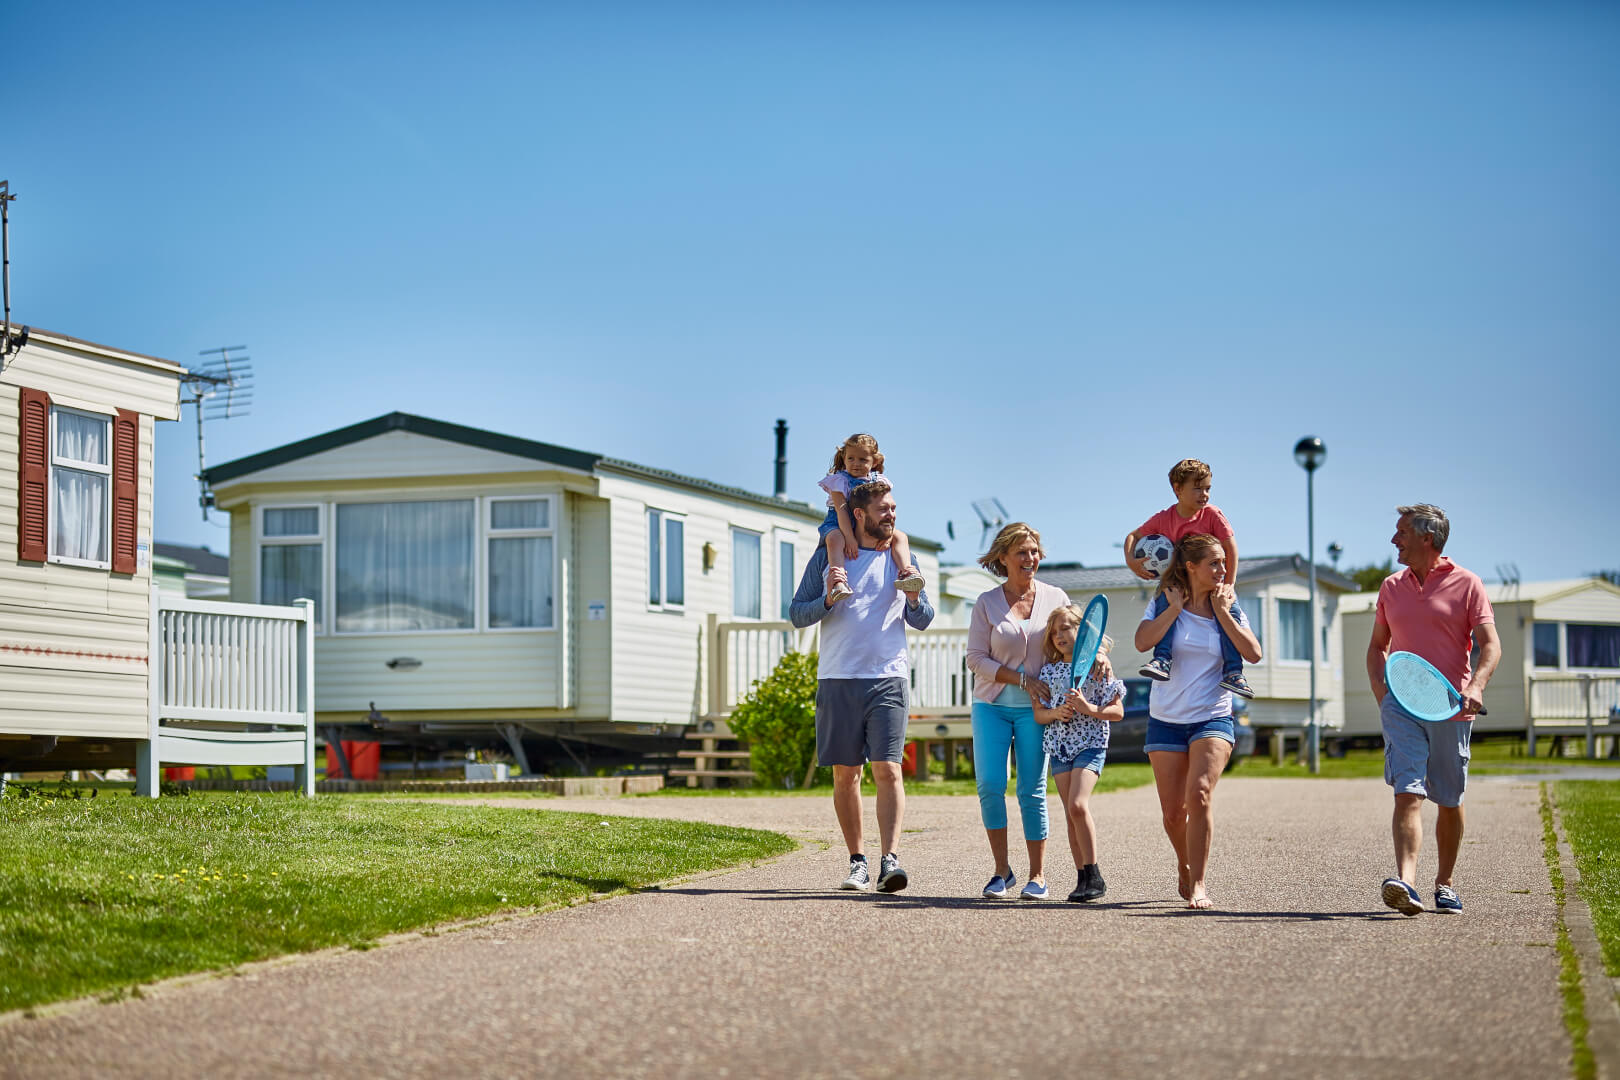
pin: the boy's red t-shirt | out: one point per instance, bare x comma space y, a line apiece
1169, 523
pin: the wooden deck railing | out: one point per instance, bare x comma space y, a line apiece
1580, 705
231, 684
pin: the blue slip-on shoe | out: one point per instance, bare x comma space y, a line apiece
1033, 890
1402, 897
998, 886
1446, 901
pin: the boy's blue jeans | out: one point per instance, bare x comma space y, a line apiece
1231, 661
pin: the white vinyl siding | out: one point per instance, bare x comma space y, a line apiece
79, 662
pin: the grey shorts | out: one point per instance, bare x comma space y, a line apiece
1422, 758
861, 720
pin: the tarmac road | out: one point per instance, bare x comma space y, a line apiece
768, 971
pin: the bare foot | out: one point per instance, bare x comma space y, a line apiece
1184, 884
1200, 901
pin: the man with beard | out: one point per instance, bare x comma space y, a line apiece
862, 692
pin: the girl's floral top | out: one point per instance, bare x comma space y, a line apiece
1064, 739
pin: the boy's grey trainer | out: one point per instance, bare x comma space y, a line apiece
1446, 901
1155, 669
890, 877
860, 878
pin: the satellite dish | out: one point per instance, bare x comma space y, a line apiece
992, 515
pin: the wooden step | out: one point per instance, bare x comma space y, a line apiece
724, 734
743, 754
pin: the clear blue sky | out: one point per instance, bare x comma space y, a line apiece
982, 232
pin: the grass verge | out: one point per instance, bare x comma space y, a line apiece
1590, 812
98, 895
1582, 1064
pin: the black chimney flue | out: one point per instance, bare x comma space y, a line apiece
781, 459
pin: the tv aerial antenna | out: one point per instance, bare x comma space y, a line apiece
9, 342
992, 515
222, 388
1508, 573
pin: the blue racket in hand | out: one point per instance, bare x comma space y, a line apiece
1088, 639
1420, 689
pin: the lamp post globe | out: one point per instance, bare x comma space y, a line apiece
1309, 453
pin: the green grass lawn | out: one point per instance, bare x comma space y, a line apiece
1590, 812
97, 895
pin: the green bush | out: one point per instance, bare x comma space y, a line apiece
778, 718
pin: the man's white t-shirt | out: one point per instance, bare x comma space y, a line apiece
864, 635
1193, 693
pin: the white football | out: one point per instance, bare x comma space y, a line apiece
1155, 552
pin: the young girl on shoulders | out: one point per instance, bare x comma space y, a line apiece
858, 461
1076, 739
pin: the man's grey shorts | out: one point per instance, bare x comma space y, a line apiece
861, 720
1421, 758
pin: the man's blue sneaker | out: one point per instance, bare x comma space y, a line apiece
1446, 901
997, 889
1402, 897
1033, 890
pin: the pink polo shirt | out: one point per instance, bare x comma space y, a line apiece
1169, 523
1436, 618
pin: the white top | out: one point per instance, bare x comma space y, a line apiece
843, 483
1193, 693
864, 635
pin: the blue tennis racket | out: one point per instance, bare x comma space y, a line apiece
1420, 689
1088, 639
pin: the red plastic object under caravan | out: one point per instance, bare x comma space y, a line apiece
365, 761
908, 763
180, 772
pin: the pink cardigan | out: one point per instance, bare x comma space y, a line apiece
996, 639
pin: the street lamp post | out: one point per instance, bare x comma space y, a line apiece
1309, 453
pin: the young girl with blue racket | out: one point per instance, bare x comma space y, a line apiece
1076, 739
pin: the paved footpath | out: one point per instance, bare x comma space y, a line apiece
768, 971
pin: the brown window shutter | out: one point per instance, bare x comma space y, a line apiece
126, 473
33, 469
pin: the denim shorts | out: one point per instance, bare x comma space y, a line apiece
1177, 737
1090, 758
1423, 758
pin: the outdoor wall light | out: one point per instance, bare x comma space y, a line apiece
709, 554
941, 729
404, 663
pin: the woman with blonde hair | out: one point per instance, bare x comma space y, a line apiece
1004, 651
1191, 730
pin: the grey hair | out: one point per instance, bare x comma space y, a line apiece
1429, 521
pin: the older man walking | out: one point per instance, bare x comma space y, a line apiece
862, 692
1438, 610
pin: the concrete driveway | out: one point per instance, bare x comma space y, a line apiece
768, 971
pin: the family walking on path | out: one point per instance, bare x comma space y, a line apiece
1028, 709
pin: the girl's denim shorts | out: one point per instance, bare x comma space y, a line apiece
1091, 758
1177, 737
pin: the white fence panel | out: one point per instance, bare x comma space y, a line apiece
231, 684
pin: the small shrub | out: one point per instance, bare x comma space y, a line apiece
778, 718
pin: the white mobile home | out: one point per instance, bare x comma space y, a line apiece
1274, 591
1560, 655
468, 579
76, 438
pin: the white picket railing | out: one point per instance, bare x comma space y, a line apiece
1585, 704
230, 684
738, 654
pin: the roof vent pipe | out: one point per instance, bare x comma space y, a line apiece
781, 459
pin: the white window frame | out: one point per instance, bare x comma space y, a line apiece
480, 586
51, 465
487, 532
1279, 639
759, 584
1263, 615
1559, 646
785, 536
1564, 665
664, 517
319, 537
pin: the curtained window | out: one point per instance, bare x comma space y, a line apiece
666, 559
745, 571
81, 487
406, 566
1590, 646
1294, 629
1255, 608
521, 545
290, 564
